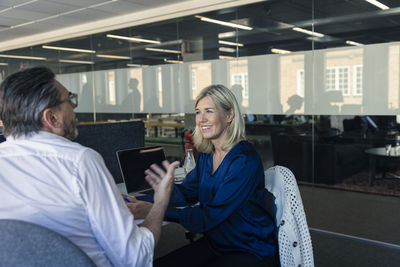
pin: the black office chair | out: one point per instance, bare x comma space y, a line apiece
30, 245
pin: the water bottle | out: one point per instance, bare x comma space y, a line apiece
189, 163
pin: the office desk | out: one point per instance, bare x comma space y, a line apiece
380, 152
179, 177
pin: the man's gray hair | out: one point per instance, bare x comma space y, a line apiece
24, 95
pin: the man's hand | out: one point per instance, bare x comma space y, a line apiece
161, 181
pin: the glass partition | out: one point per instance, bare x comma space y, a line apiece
317, 81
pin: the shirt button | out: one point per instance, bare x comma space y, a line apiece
282, 222
294, 244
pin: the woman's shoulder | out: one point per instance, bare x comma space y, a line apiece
243, 147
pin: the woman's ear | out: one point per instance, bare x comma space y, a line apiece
231, 115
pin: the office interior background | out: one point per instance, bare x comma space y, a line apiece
317, 81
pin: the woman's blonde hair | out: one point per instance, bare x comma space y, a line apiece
226, 101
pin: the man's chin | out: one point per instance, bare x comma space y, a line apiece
71, 135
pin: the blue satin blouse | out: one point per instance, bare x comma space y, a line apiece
230, 210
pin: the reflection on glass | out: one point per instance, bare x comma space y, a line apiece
292, 83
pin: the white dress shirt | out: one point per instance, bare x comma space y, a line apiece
51, 181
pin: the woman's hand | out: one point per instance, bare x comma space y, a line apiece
139, 208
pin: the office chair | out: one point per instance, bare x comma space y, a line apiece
30, 245
294, 241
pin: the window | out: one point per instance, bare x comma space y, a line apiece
194, 80
300, 83
337, 78
243, 80
160, 87
358, 77
330, 83
111, 88
159, 79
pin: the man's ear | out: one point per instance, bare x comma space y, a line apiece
51, 119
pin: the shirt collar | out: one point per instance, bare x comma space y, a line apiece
36, 136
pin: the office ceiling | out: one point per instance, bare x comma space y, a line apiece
272, 22
19, 18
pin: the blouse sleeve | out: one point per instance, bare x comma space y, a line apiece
239, 181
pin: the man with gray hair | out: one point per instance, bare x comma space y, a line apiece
49, 180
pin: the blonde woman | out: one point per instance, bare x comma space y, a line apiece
228, 185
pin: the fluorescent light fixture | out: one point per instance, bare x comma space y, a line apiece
135, 65
23, 57
102, 4
226, 57
227, 49
3, 64
378, 4
19, 5
225, 23
226, 35
163, 50
280, 51
112, 56
76, 61
230, 43
133, 39
316, 34
68, 49
50, 17
353, 43
172, 61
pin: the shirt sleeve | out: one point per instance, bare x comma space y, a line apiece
239, 181
124, 243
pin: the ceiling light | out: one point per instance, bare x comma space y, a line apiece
230, 43
163, 50
133, 39
23, 57
76, 61
172, 61
316, 34
378, 4
226, 35
227, 49
19, 5
112, 56
280, 51
225, 23
3, 64
353, 43
68, 49
50, 17
102, 4
135, 65
226, 57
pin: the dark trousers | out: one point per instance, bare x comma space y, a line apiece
199, 254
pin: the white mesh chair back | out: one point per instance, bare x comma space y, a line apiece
295, 247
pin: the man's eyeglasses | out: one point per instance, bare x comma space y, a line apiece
72, 98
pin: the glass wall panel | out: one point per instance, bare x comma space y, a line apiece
317, 82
